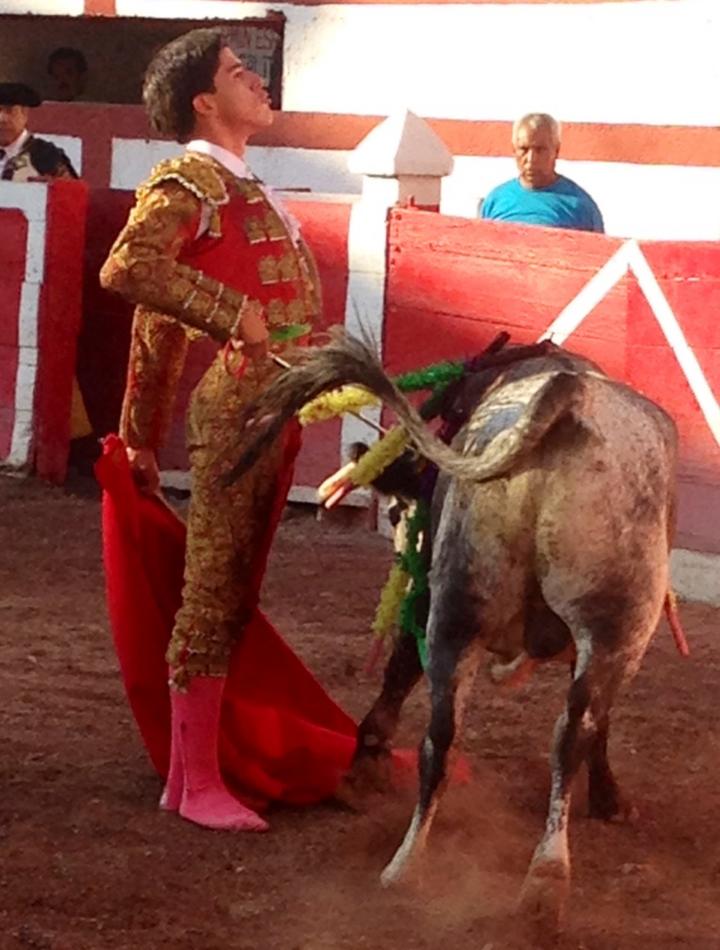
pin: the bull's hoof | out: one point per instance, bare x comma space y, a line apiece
370, 774
614, 807
405, 863
391, 875
401, 870
543, 897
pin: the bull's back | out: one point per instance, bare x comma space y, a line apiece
606, 501
614, 456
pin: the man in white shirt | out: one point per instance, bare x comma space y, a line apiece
23, 156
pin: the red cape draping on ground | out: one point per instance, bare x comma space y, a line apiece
282, 737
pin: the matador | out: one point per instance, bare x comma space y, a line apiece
209, 250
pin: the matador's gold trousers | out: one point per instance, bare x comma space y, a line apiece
230, 527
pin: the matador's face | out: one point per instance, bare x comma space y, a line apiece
239, 97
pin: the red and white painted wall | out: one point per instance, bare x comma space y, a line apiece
428, 285
635, 83
642, 310
641, 133
42, 244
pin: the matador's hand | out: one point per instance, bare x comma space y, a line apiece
144, 467
253, 331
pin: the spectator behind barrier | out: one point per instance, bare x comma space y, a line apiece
25, 157
539, 195
68, 71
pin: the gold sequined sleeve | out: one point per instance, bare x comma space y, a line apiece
158, 347
143, 266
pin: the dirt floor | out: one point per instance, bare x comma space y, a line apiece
87, 862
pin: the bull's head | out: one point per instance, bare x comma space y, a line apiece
401, 479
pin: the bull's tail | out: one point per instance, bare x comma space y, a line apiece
676, 628
346, 360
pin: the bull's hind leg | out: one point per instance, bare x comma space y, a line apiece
605, 800
451, 672
448, 699
598, 674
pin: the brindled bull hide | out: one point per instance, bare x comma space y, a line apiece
551, 524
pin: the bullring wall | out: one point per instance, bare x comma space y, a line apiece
440, 287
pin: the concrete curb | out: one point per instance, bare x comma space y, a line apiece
696, 576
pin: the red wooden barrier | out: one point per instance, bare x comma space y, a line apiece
59, 324
453, 283
42, 232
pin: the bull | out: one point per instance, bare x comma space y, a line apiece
551, 524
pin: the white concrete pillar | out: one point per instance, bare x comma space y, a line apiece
402, 159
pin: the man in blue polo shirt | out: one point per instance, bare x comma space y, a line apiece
539, 195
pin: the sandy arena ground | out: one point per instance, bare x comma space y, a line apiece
89, 863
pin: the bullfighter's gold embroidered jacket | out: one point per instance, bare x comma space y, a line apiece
200, 245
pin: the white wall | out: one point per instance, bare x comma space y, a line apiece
652, 202
314, 169
133, 159
57, 7
651, 61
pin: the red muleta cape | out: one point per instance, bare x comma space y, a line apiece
282, 737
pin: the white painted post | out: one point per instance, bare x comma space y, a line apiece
31, 200
401, 159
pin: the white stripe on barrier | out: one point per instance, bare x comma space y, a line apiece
630, 257
597, 288
31, 200
27, 315
675, 337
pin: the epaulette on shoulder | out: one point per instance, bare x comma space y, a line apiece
198, 175
195, 173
